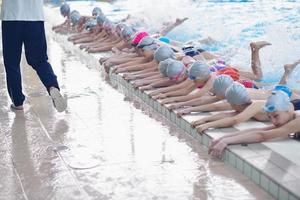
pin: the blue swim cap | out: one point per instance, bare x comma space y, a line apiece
278, 101
284, 88
65, 9
165, 40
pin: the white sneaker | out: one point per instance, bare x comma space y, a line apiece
16, 108
59, 102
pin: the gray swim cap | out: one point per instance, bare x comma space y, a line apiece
127, 33
236, 94
75, 17
101, 19
148, 43
65, 9
163, 52
278, 101
121, 26
90, 24
162, 67
97, 11
199, 70
175, 69
108, 25
221, 83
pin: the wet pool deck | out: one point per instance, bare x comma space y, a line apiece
274, 165
30, 169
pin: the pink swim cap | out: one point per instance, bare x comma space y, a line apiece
138, 37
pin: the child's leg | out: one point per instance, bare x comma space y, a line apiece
288, 69
255, 61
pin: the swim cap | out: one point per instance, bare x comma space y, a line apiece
108, 25
137, 38
65, 9
75, 17
90, 24
162, 67
175, 70
221, 83
163, 52
278, 101
236, 94
285, 89
147, 43
97, 12
199, 70
120, 27
127, 32
101, 19
165, 40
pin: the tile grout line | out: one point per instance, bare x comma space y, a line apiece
78, 185
15, 169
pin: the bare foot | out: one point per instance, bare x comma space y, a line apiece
255, 46
106, 68
288, 68
179, 21
207, 40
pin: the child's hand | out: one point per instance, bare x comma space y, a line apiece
201, 128
184, 112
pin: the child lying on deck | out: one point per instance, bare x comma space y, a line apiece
244, 108
65, 12
80, 34
280, 111
203, 77
125, 54
222, 82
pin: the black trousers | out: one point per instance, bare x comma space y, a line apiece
32, 35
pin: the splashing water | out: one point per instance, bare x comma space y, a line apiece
234, 24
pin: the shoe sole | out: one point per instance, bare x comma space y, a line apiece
58, 100
14, 108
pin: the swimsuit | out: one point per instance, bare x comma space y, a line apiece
230, 71
296, 104
192, 51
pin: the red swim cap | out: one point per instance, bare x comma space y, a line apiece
138, 37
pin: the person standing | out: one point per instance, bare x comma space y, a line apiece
23, 23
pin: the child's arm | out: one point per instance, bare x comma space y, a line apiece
170, 88
219, 106
199, 93
195, 102
179, 92
214, 117
247, 114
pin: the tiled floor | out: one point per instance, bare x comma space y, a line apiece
266, 164
116, 151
